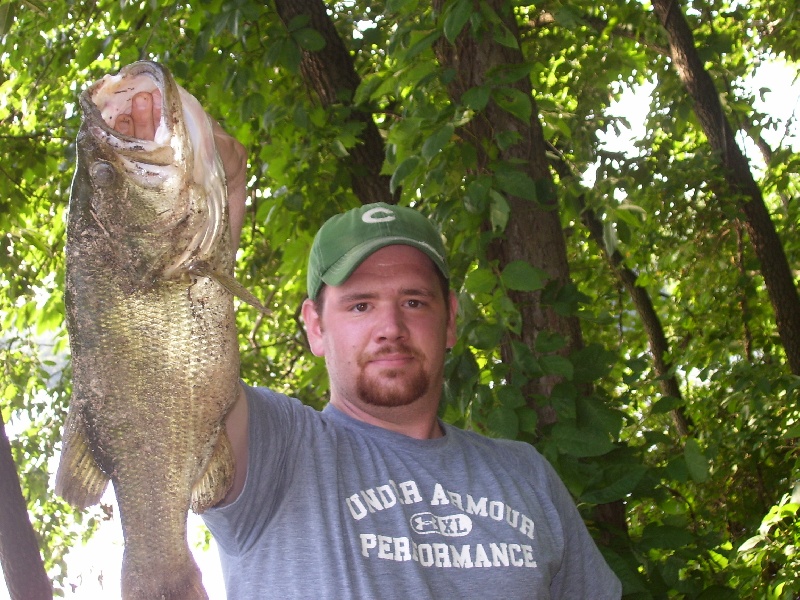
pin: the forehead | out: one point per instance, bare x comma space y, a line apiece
392, 260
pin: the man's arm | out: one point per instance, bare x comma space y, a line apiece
142, 123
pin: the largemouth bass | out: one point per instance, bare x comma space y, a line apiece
151, 325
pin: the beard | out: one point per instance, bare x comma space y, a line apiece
393, 387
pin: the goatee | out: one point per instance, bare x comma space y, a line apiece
393, 387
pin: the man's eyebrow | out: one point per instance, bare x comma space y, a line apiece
418, 292
357, 297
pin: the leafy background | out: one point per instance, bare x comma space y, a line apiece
703, 473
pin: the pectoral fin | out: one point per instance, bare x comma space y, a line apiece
211, 488
79, 480
229, 283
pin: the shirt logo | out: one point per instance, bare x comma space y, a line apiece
378, 215
451, 526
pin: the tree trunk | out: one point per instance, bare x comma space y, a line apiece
22, 564
331, 75
534, 233
766, 243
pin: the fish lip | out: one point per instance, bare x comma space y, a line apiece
137, 149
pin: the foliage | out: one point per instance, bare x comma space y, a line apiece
710, 516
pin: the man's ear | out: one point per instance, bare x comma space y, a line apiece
313, 321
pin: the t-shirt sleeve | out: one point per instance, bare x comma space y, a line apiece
584, 573
273, 429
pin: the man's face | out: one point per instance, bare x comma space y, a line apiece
384, 332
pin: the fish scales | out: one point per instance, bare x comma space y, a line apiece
152, 329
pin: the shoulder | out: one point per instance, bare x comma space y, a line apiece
509, 448
512, 456
265, 402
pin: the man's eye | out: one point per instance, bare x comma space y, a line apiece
360, 307
414, 303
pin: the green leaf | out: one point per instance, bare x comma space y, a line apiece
514, 102
549, 341
405, 169
476, 98
581, 442
528, 419
393, 6
424, 43
504, 422
665, 405
309, 39
521, 276
619, 489
508, 74
792, 432
503, 36
477, 194
486, 336
7, 10
665, 537
592, 363
556, 365
480, 281
437, 141
499, 212
510, 396
515, 183
457, 17
696, 462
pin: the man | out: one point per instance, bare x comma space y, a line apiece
375, 497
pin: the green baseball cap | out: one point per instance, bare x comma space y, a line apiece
347, 239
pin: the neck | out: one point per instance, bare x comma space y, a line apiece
412, 420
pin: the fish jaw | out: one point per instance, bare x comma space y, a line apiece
164, 199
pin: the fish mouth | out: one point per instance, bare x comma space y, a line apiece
112, 96
182, 156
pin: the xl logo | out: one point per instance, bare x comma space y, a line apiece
452, 526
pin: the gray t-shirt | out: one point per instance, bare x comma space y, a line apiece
336, 508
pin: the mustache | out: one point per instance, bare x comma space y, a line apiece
389, 350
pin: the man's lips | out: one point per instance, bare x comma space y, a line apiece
391, 358
391, 361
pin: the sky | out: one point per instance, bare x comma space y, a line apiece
94, 569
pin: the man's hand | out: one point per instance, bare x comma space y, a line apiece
142, 123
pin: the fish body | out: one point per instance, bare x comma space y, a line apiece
151, 325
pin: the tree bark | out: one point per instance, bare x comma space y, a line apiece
533, 233
768, 248
330, 73
22, 564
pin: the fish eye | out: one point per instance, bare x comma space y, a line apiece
102, 173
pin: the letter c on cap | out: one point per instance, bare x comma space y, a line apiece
378, 215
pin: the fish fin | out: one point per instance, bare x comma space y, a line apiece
211, 488
229, 283
79, 479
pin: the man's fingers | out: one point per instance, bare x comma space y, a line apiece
124, 124
144, 118
142, 113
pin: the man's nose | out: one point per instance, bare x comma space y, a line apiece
392, 324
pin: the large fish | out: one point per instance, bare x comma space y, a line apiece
151, 325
